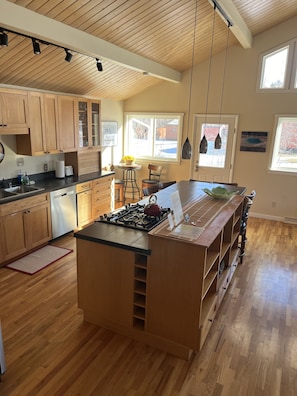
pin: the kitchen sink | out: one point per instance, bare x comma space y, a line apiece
14, 191
21, 189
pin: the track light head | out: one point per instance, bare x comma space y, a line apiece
36, 47
3, 39
68, 56
99, 65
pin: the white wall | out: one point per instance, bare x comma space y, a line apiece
276, 193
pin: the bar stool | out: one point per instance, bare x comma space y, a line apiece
154, 176
248, 201
2, 357
119, 190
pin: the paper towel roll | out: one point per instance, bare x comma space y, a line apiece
60, 169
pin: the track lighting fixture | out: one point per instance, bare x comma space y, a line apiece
3, 39
99, 65
68, 56
36, 47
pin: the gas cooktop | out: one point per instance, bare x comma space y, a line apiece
133, 216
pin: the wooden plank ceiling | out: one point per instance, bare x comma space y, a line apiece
159, 30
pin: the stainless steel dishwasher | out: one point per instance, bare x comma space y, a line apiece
63, 211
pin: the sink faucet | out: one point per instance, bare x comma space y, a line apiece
10, 184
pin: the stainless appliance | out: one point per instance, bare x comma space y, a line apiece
63, 211
133, 216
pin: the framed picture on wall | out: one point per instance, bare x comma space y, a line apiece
253, 141
109, 133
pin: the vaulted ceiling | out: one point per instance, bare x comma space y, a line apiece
130, 37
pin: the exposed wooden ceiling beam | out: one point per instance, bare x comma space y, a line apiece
22, 20
238, 28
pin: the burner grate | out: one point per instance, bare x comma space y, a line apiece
133, 216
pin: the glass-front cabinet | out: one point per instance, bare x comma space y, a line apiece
89, 124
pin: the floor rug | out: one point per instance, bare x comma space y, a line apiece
39, 259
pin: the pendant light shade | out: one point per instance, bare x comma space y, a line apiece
187, 149
218, 142
203, 145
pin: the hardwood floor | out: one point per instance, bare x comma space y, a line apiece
251, 348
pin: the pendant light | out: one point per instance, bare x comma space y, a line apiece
218, 139
203, 144
187, 149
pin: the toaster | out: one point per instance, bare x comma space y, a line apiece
69, 170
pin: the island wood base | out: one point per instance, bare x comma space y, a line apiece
169, 298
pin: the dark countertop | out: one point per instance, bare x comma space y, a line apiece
48, 182
138, 241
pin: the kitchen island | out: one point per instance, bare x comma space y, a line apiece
162, 287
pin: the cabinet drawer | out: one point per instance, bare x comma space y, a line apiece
102, 189
100, 210
104, 196
83, 187
102, 181
23, 204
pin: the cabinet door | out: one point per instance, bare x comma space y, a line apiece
95, 123
67, 123
13, 239
89, 124
14, 112
37, 131
38, 226
51, 123
84, 208
83, 124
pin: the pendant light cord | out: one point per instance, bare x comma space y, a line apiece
210, 62
191, 75
224, 72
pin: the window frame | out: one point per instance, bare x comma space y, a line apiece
275, 147
290, 78
153, 115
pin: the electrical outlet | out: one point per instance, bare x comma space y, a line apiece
20, 161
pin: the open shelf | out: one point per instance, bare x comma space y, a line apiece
139, 301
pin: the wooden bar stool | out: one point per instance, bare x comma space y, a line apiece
154, 176
119, 190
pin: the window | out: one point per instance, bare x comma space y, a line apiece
284, 155
279, 68
154, 136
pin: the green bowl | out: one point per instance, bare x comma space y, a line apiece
220, 193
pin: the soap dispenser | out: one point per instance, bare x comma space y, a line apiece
26, 179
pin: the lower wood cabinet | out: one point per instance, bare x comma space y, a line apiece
94, 198
24, 225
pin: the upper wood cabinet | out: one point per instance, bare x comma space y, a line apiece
13, 112
89, 124
43, 135
53, 125
68, 123
50, 107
